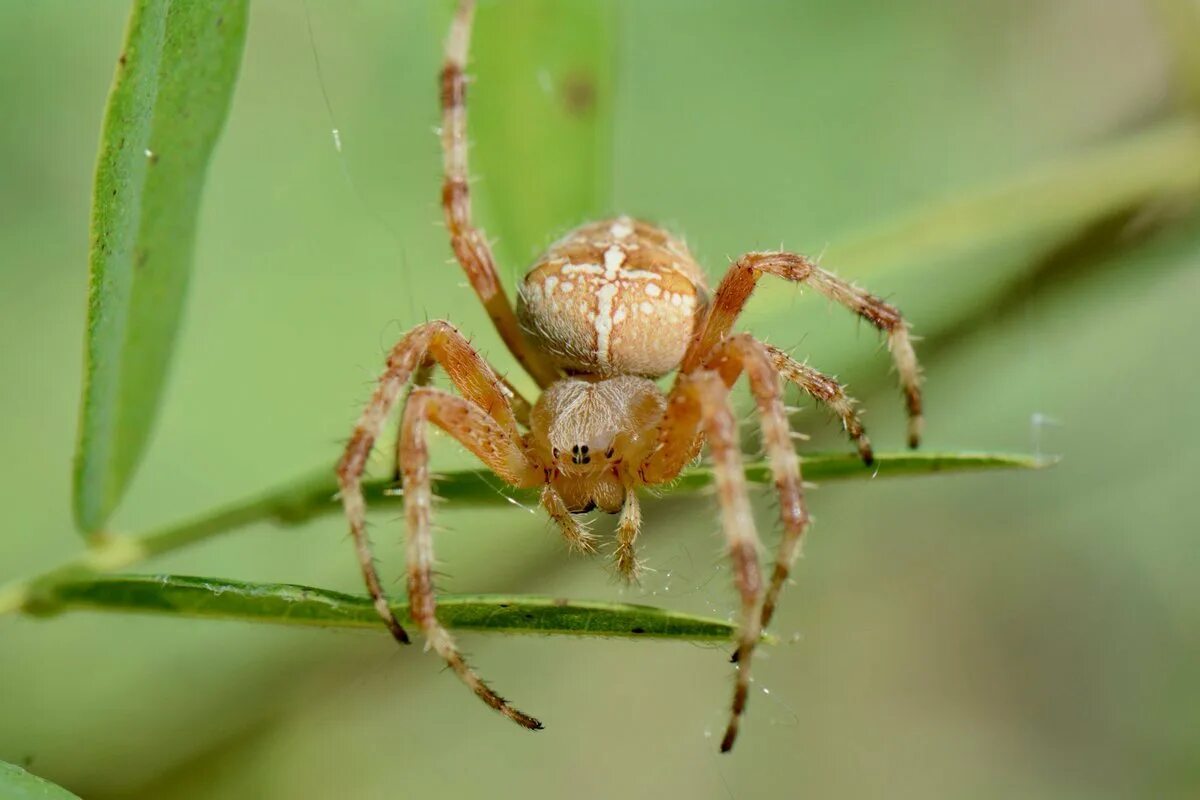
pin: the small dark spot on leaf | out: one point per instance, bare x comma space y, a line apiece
528, 616
504, 605
121, 60
637, 630
579, 93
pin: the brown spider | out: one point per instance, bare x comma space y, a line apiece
607, 309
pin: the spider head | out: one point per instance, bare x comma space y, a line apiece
584, 428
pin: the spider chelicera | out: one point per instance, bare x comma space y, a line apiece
606, 310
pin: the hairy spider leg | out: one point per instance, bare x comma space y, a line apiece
699, 405
496, 447
744, 353
829, 393
424, 377
739, 282
469, 243
470, 374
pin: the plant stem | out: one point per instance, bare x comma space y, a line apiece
308, 497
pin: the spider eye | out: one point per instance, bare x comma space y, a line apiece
609, 452
555, 452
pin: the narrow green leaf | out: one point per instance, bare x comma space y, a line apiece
287, 604
541, 118
169, 99
17, 784
841, 466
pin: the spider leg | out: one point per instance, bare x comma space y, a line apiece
739, 282
577, 536
521, 407
628, 528
468, 371
743, 352
828, 392
422, 377
699, 401
469, 243
478, 432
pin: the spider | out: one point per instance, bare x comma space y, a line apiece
604, 312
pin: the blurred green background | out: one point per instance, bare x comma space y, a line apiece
988, 636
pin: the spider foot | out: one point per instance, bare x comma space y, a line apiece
865, 452
916, 425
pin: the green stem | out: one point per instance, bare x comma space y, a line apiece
303, 499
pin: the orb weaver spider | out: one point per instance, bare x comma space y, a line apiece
606, 310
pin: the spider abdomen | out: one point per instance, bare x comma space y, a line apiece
616, 297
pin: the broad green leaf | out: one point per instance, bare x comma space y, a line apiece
17, 784
540, 118
173, 84
287, 604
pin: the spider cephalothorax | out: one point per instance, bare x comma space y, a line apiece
609, 307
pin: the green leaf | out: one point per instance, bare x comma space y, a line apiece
841, 466
17, 784
288, 604
173, 84
541, 118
